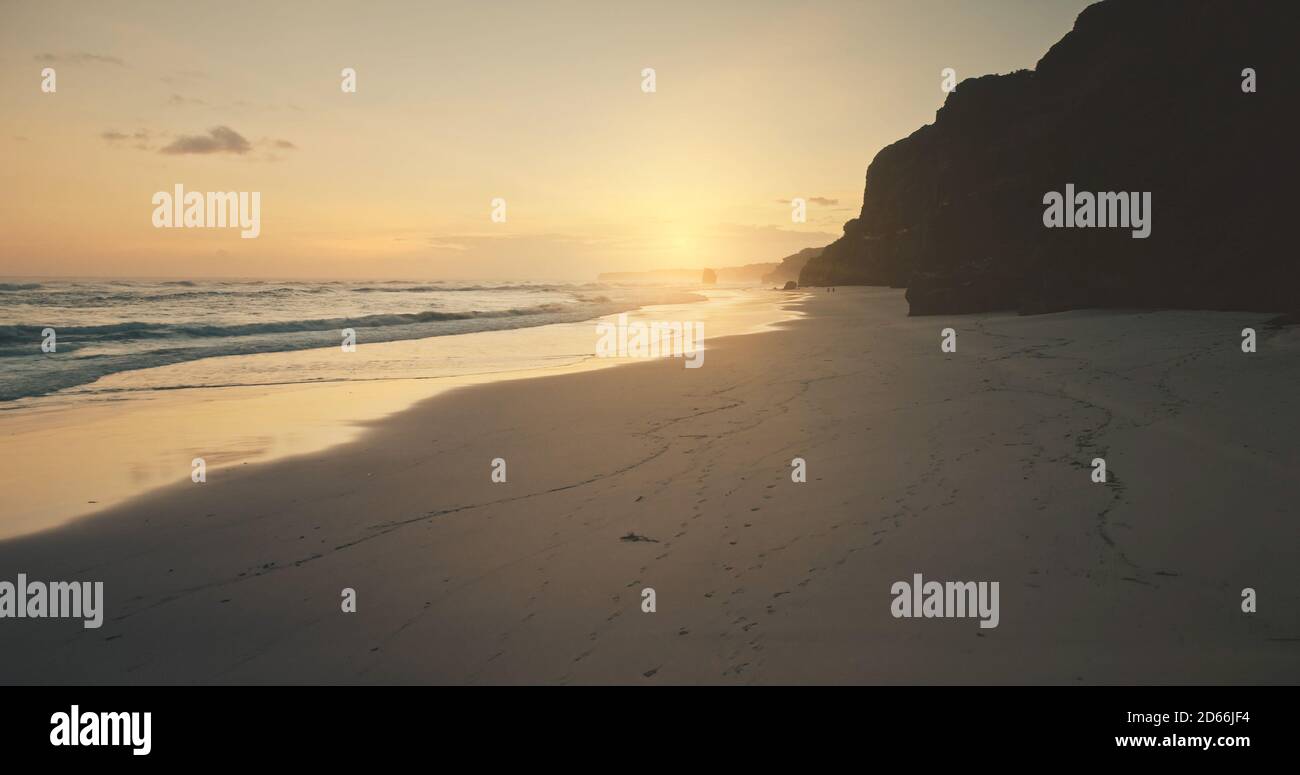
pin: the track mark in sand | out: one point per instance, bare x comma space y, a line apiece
1086, 445
1104, 523
382, 529
637, 537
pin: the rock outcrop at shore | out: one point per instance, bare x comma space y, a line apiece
1142, 96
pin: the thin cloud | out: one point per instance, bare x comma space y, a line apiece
734, 230
141, 137
220, 139
80, 58
438, 244
817, 200
179, 101
183, 76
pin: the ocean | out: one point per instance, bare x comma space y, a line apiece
104, 327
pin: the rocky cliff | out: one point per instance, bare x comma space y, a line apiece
1141, 96
791, 266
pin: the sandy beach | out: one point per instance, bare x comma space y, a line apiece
967, 465
136, 431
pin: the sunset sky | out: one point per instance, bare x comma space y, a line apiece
460, 102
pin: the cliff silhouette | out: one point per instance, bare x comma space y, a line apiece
1142, 95
791, 266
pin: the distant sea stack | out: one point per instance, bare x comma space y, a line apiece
1142, 96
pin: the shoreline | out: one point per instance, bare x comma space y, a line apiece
913, 458
140, 430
